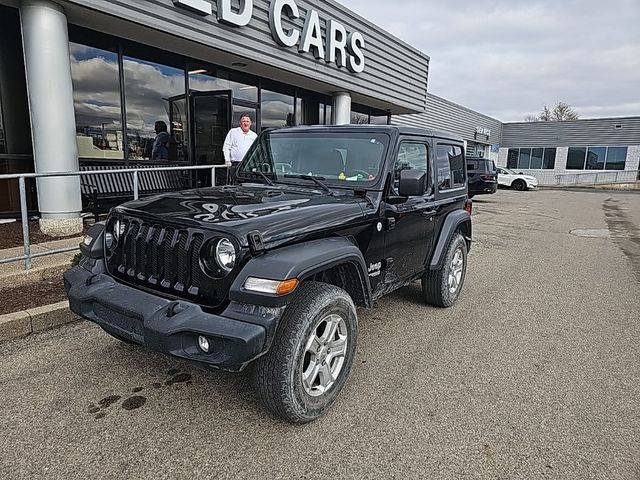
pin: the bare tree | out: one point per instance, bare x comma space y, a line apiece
561, 112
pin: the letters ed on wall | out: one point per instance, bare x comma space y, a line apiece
340, 47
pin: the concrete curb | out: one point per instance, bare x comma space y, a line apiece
20, 324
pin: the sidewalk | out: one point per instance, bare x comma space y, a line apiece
23, 323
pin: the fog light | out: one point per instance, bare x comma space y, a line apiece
203, 343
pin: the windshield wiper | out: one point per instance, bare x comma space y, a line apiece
317, 180
266, 179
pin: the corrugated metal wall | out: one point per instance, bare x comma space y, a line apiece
444, 115
579, 133
389, 61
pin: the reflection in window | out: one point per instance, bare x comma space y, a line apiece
276, 110
450, 167
536, 158
211, 80
358, 118
525, 158
549, 158
596, 158
512, 158
616, 158
411, 156
96, 98
379, 117
575, 158
155, 108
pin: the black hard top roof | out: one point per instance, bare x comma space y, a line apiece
398, 129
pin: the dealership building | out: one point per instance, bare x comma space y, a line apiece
84, 82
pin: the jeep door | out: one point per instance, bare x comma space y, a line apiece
408, 220
450, 180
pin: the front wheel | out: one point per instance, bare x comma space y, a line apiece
300, 377
442, 287
519, 185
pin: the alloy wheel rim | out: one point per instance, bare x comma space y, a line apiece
455, 270
324, 355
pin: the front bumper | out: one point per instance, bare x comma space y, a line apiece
237, 336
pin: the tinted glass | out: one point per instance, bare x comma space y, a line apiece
471, 165
277, 109
155, 101
549, 158
491, 167
206, 79
616, 158
525, 158
512, 158
596, 158
96, 99
339, 158
378, 117
411, 156
575, 158
449, 167
536, 158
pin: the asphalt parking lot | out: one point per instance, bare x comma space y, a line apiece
534, 373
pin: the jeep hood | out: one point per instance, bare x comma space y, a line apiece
278, 213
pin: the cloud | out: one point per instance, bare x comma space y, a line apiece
508, 58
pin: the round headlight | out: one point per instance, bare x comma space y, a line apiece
225, 255
116, 229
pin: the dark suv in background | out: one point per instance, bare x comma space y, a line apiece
482, 175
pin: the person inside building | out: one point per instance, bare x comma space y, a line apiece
238, 141
160, 150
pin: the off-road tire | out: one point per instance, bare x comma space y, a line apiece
435, 283
519, 185
278, 373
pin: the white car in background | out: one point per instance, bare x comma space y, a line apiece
517, 181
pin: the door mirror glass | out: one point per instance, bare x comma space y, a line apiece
412, 183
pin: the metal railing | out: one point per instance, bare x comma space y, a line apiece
596, 178
21, 177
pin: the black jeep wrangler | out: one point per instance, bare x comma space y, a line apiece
318, 221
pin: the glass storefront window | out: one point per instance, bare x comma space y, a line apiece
379, 117
156, 111
575, 158
359, 118
209, 79
596, 158
96, 96
512, 158
536, 158
525, 158
276, 109
549, 158
616, 158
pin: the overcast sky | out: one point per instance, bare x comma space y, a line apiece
507, 59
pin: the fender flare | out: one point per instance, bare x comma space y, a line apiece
299, 261
453, 221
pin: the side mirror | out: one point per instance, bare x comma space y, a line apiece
413, 183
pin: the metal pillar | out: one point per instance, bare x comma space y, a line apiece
341, 108
50, 91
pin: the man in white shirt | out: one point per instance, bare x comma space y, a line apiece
238, 141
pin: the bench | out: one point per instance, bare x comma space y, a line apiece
101, 192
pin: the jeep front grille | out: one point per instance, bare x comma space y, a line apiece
165, 259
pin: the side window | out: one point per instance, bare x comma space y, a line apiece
450, 167
471, 165
411, 156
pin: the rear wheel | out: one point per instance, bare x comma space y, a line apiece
300, 377
519, 185
442, 287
